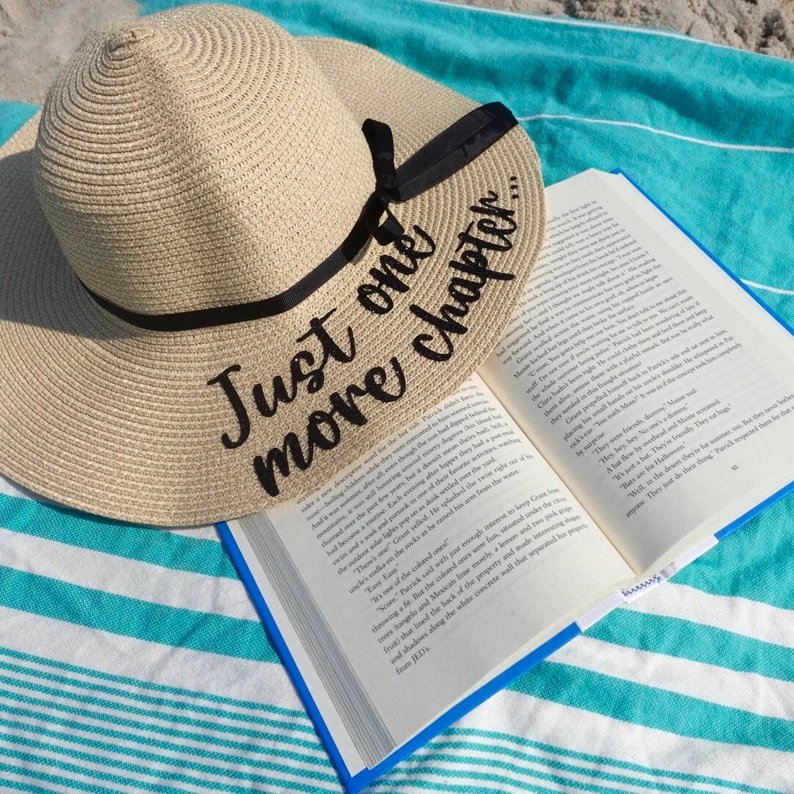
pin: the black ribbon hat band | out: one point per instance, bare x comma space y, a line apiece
440, 158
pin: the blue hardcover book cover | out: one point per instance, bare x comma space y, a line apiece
632, 390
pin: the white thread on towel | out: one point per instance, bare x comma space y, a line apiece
635, 125
778, 290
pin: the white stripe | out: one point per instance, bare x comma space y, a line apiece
160, 714
408, 776
12, 489
115, 654
656, 131
739, 615
32, 783
125, 692
578, 781
778, 290
45, 755
156, 769
746, 691
208, 532
528, 771
96, 721
88, 780
125, 577
595, 734
137, 739
486, 747
98, 714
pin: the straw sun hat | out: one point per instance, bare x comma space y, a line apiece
215, 289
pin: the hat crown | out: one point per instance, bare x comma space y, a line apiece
197, 158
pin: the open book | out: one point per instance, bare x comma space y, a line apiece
640, 403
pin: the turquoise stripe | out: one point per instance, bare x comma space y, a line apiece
139, 726
26, 787
396, 779
151, 701
12, 116
123, 707
145, 544
55, 779
686, 639
654, 707
136, 682
752, 562
425, 760
181, 628
493, 777
70, 735
459, 755
604, 760
182, 764
160, 788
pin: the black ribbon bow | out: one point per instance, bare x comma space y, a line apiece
381, 145
444, 155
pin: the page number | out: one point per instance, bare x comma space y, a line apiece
734, 467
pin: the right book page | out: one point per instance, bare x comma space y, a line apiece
659, 390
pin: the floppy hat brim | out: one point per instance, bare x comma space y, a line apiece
122, 422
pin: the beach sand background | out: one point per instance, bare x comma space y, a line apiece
38, 36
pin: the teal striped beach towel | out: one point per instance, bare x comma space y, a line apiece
131, 659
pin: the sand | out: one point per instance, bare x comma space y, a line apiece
37, 36
765, 26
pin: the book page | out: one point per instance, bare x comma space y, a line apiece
659, 390
432, 561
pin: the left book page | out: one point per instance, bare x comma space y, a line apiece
424, 570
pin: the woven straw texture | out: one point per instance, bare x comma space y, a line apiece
201, 157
